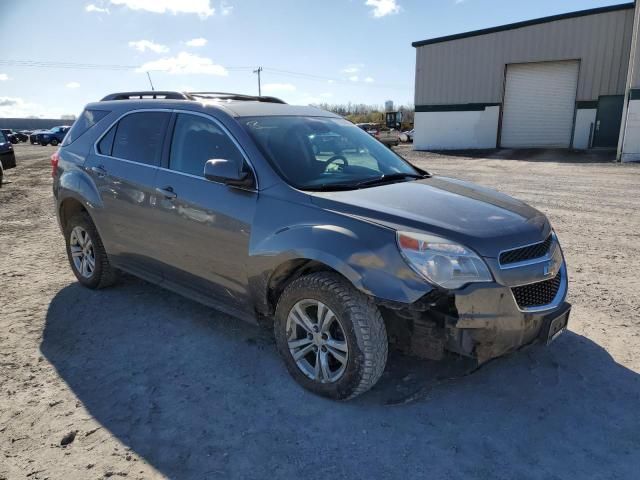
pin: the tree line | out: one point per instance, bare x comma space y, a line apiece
363, 113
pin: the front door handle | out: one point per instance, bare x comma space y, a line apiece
167, 192
99, 171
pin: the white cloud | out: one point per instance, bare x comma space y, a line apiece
4, 77
382, 8
308, 99
93, 8
369, 80
197, 42
331, 82
278, 87
353, 68
144, 45
16, 107
354, 78
72, 85
185, 64
202, 8
225, 8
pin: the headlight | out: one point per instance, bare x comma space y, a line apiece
441, 261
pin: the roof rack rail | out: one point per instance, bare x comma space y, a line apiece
235, 96
150, 94
166, 95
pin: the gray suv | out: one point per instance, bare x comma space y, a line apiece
295, 218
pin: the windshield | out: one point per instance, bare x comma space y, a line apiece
315, 153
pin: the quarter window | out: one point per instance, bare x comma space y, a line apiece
197, 139
106, 144
139, 136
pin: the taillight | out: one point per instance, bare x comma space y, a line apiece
55, 158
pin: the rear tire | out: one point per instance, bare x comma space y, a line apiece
87, 256
54, 142
358, 334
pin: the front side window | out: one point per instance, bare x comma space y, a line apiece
197, 139
319, 152
139, 137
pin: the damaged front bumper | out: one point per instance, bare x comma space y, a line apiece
482, 321
490, 322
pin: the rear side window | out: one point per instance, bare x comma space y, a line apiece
196, 140
106, 144
139, 136
87, 120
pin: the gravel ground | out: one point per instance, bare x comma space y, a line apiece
137, 382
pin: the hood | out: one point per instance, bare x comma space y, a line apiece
480, 218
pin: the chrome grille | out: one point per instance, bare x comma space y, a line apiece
529, 252
537, 294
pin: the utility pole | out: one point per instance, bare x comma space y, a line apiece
259, 86
149, 77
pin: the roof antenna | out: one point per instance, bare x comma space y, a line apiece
149, 76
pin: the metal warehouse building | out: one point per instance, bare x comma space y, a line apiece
567, 81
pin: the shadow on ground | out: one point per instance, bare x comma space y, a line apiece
536, 155
198, 394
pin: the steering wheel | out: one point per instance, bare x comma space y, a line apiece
334, 159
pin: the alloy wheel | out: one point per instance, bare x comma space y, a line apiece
317, 341
82, 252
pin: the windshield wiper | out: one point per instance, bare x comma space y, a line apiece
331, 187
388, 178
392, 177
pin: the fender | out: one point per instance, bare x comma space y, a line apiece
364, 253
75, 184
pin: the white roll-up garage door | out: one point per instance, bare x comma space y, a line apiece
539, 104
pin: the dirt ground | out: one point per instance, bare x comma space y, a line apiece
140, 383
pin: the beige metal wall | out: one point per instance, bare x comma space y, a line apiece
471, 70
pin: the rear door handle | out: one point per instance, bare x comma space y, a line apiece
167, 192
99, 171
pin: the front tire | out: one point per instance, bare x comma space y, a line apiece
331, 336
87, 256
54, 142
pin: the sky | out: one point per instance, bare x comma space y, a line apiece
59, 56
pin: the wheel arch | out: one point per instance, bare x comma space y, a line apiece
69, 207
289, 271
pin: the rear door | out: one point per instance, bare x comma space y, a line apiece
204, 245
124, 170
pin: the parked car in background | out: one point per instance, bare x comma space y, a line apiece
406, 136
33, 137
343, 254
22, 135
7, 155
54, 137
388, 137
10, 136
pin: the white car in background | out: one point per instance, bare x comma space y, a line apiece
406, 136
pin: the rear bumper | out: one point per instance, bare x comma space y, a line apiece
8, 159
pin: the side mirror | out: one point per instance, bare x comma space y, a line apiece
228, 172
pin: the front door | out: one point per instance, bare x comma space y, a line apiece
207, 225
608, 121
